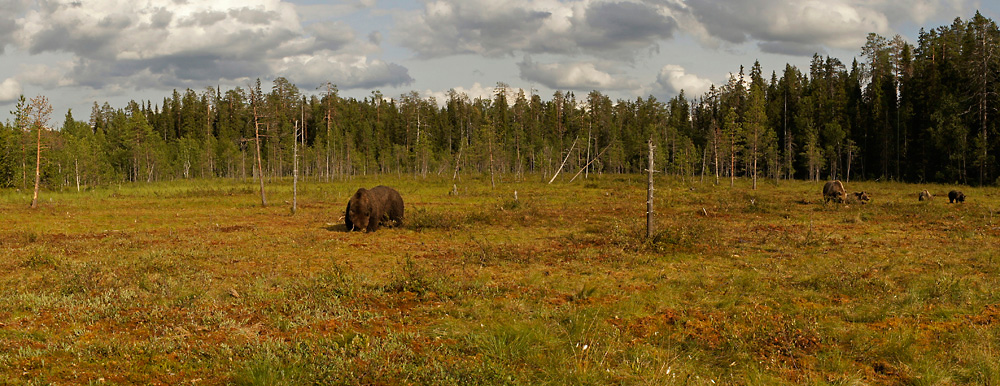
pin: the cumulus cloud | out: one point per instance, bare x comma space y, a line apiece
7, 28
583, 76
612, 25
47, 76
10, 90
345, 71
800, 27
920, 11
672, 79
9, 9
494, 29
331, 35
482, 27
338, 9
169, 43
625, 29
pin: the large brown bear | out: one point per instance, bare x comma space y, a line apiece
955, 196
834, 190
369, 208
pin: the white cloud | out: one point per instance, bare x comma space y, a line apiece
920, 11
581, 76
489, 28
170, 43
797, 27
623, 30
339, 9
673, 78
346, 71
10, 90
123, 29
47, 76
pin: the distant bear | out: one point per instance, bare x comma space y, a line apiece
834, 190
955, 196
369, 208
861, 197
925, 196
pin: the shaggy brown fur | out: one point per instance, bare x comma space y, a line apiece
834, 190
369, 208
925, 196
861, 197
955, 196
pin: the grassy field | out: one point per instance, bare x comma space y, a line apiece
196, 283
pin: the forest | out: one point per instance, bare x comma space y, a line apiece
921, 112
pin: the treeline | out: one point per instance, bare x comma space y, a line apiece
917, 113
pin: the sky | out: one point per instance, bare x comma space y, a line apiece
77, 52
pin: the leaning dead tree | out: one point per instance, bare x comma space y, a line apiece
564, 161
585, 167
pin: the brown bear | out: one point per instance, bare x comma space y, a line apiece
925, 196
955, 196
369, 208
861, 197
834, 190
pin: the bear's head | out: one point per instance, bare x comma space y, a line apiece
862, 197
360, 210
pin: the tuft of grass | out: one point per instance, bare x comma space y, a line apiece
41, 258
267, 370
506, 344
411, 276
667, 236
492, 254
421, 219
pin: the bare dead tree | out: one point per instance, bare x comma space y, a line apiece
39, 112
255, 101
649, 192
260, 167
295, 168
493, 182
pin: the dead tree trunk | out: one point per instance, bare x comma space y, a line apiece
564, 162
649, 193
260, 167
493, 182
38, 168
704, 157
458, 160
295, 169
587, 168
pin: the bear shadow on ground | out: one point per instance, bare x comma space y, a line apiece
336, 227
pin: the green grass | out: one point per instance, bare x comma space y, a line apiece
195, 282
